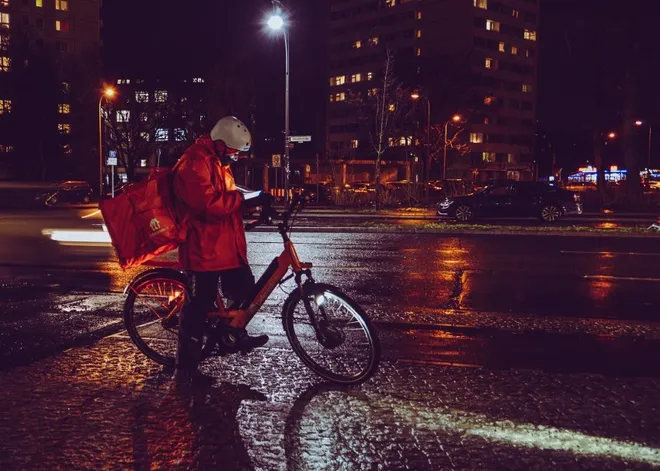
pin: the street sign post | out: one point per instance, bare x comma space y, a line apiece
300, 138
112, 161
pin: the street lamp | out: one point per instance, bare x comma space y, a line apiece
638, 123
107, 93
416, 96
612, 135
276, 22
455, 119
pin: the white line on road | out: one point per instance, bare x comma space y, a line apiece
619, 278
586, 252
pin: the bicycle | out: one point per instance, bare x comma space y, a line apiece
167, 289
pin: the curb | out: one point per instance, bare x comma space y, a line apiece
462, 232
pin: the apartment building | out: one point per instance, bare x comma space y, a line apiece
48, 81
488, 46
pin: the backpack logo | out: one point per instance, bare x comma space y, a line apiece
154, 225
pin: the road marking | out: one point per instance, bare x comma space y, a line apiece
585, 252
619, 278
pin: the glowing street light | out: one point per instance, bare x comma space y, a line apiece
611, 135
108, 93
276, 22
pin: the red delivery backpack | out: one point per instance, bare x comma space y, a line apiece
142, 221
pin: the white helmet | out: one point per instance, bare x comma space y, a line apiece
233, 133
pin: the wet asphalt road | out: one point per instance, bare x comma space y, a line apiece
568, 304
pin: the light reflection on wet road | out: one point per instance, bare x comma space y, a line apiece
521, 301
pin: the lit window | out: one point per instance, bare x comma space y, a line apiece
161, 135
372, 92
419, 15
354, 144
144, 117
483, 4
64, 128
514, 51
4, 20
492, 25
373, 41
370, 75
62, 26
123, 116
64, 108
526, 88
160, 96
418, 52
530, 35
143, 163
392, 107
357, 44
515, 13
338, 80
144, 136
476, 137
6, 148
338, 97
390, 3
198, 80
489, 100
510, 158
418, 33
62, 5
5, 64
405, 140
142, 97
39, 3
502, 46
5, 106
490, 63
4, 3
356, 78
179, 134
123, 81
488, 156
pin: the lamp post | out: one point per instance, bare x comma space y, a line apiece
277, 22
107, 93
639, 122
455, 119
427, 171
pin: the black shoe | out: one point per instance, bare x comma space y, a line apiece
237, 340
194, 378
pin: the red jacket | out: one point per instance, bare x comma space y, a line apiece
207, 193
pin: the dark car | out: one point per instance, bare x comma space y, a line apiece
68, 192
513, 199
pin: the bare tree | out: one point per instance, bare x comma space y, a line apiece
455, 142
383, 114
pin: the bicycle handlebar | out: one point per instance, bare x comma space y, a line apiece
268, 214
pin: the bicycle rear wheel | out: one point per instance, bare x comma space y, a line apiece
151, 313
331, 334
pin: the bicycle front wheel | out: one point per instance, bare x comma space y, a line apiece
331, 334
151, 313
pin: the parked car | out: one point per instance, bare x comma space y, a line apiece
513, 199
68, 192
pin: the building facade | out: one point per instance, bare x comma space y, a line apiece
150, 122
49, 70
476, 58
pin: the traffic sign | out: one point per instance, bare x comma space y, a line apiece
300, 138
277, 160
112, 161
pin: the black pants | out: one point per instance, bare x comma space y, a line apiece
237, 285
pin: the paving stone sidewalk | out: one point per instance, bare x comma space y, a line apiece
108, 407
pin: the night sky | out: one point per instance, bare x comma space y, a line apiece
585, 47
